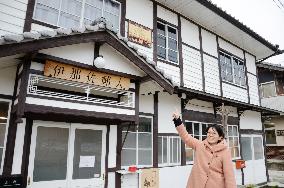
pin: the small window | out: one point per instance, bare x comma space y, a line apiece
268, 89
4, 110
167, 42
270, 136
137, 148
232, 69
74, 13
169, 150
233, 139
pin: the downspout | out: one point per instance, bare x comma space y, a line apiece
277, 52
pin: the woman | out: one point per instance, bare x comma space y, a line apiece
213, 167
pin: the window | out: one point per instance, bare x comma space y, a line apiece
252, 148
137, 148
270, 136
232, 69
268, 89
169, 150
198, 131
4, 110
72, 13
167, 42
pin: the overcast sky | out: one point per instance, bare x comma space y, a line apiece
265, 17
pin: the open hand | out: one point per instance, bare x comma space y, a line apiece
176, 114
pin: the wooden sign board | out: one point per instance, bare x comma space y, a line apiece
139, 34
73, 73
150, 178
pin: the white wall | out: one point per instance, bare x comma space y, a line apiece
250, 63
255, 172
200, 106
170, 70
18, 149
37, 66
12, 16
209, 43
231, 48
174, 176
111, 179
146, 103
112, 146
278, 125
7, 79
167, 15
251, 120
190, 33
253, 89
166, 106
233, 92
130, 180
211, 74
192, 72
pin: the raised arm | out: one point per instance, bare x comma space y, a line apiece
186, 138
229, 175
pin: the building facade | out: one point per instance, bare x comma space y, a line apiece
88, 88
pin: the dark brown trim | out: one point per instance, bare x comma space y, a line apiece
155, 56
251, 73
167, 62
43, 57
168, 134
233, 55
210, 55
26, 150
29, 15
241, 154
251, 131
118, 156
106, 156
187, 45
246, 75
37, 72
146, 114
137, 88
114, 169
180, 51
259, 94
219, 67
38, 112
183, 152
202, 60
97, 46
166, 22
44, 24
122, 17
8, 97
155, 131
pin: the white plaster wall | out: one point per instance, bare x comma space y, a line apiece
230, 48
233, 92
145, 10
130, 180
112, 146
117, 62
37, 66
209, 43
146, 103
190, 33
83, 53
7, 79
12, 16
255, 172
192, 72
18, 149
251, 120
77, 106
167, 15
211, 74
250, 63
174, 176
166, 106
253, 89
111, 180
278, 125
200, 106
170, 70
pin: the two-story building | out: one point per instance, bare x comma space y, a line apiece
81, 101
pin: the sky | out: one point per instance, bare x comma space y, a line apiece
265, 17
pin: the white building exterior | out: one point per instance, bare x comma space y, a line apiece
83, 125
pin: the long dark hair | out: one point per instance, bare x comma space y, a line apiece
218, 128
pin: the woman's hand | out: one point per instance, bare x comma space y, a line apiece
175, 114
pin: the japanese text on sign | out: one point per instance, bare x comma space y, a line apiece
139, 34
72, 73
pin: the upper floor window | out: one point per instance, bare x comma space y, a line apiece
4, 110
73, 13
167, 42
268, 89
232, 69
137, 148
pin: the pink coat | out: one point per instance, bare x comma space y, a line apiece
213, 167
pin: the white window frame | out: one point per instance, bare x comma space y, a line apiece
265, 83
170, 151
82, 12
228, 136
167, 42
6, 134
137, 144
251, 145
233, 70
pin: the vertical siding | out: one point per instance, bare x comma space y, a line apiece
190, 33
211, 74
12, 16
170, 70
253, 89
192, 72
235, 93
